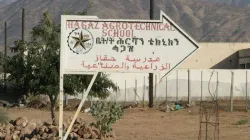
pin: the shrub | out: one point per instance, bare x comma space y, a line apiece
242, 122
105, 114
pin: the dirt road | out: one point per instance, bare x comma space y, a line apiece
144, 124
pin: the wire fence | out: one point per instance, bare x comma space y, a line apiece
228, 86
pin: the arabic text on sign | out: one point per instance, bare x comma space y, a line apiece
137, 63
125, 66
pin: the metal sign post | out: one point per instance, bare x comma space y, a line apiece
90, 45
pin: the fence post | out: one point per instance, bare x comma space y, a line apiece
232, 89
91, 101
135, 89
166, 88
116, 90
66, 99
177, 85
201, 85
155, 86
189, 88
144, 86
217, 86
125, 90
246, 92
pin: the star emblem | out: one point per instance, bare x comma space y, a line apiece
80, 41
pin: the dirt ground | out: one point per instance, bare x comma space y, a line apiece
145, 124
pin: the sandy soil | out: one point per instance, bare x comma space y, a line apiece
144, 124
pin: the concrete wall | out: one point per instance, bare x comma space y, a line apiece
216, 56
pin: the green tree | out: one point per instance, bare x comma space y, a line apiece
42, 65
20, 68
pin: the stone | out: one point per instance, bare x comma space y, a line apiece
65, 125
47, 123
46, 130
42, 130
1, 135
9, 125
21, 122
54, 131
74, 130
77, 126
111, 135
17, 132
51, 138
8, 137
15, 137
75, 135
36, 130
8, 132
88, 129
93, 135
38, 136
71, 135
12, 122
80, 132
96, 131
18, 128
78, 121
28, 129
3, 125
45, 135
87, 136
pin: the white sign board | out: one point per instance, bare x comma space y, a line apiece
109, 45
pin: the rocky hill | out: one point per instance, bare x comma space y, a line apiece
238, 3
4, 3
204, 21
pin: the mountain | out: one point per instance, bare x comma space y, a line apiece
203, 20
4, 3
238, 3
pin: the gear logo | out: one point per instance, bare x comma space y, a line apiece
80, 41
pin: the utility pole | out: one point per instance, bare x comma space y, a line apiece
151, 76
23, 17
24, 61
5, 54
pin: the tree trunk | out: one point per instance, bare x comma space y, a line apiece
52, 109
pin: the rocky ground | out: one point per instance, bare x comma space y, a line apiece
145, 124
23, 129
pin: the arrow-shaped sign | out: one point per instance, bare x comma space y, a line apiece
113, 45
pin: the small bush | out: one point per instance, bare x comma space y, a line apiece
242, 122
37, 101
105, 114
3, 116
